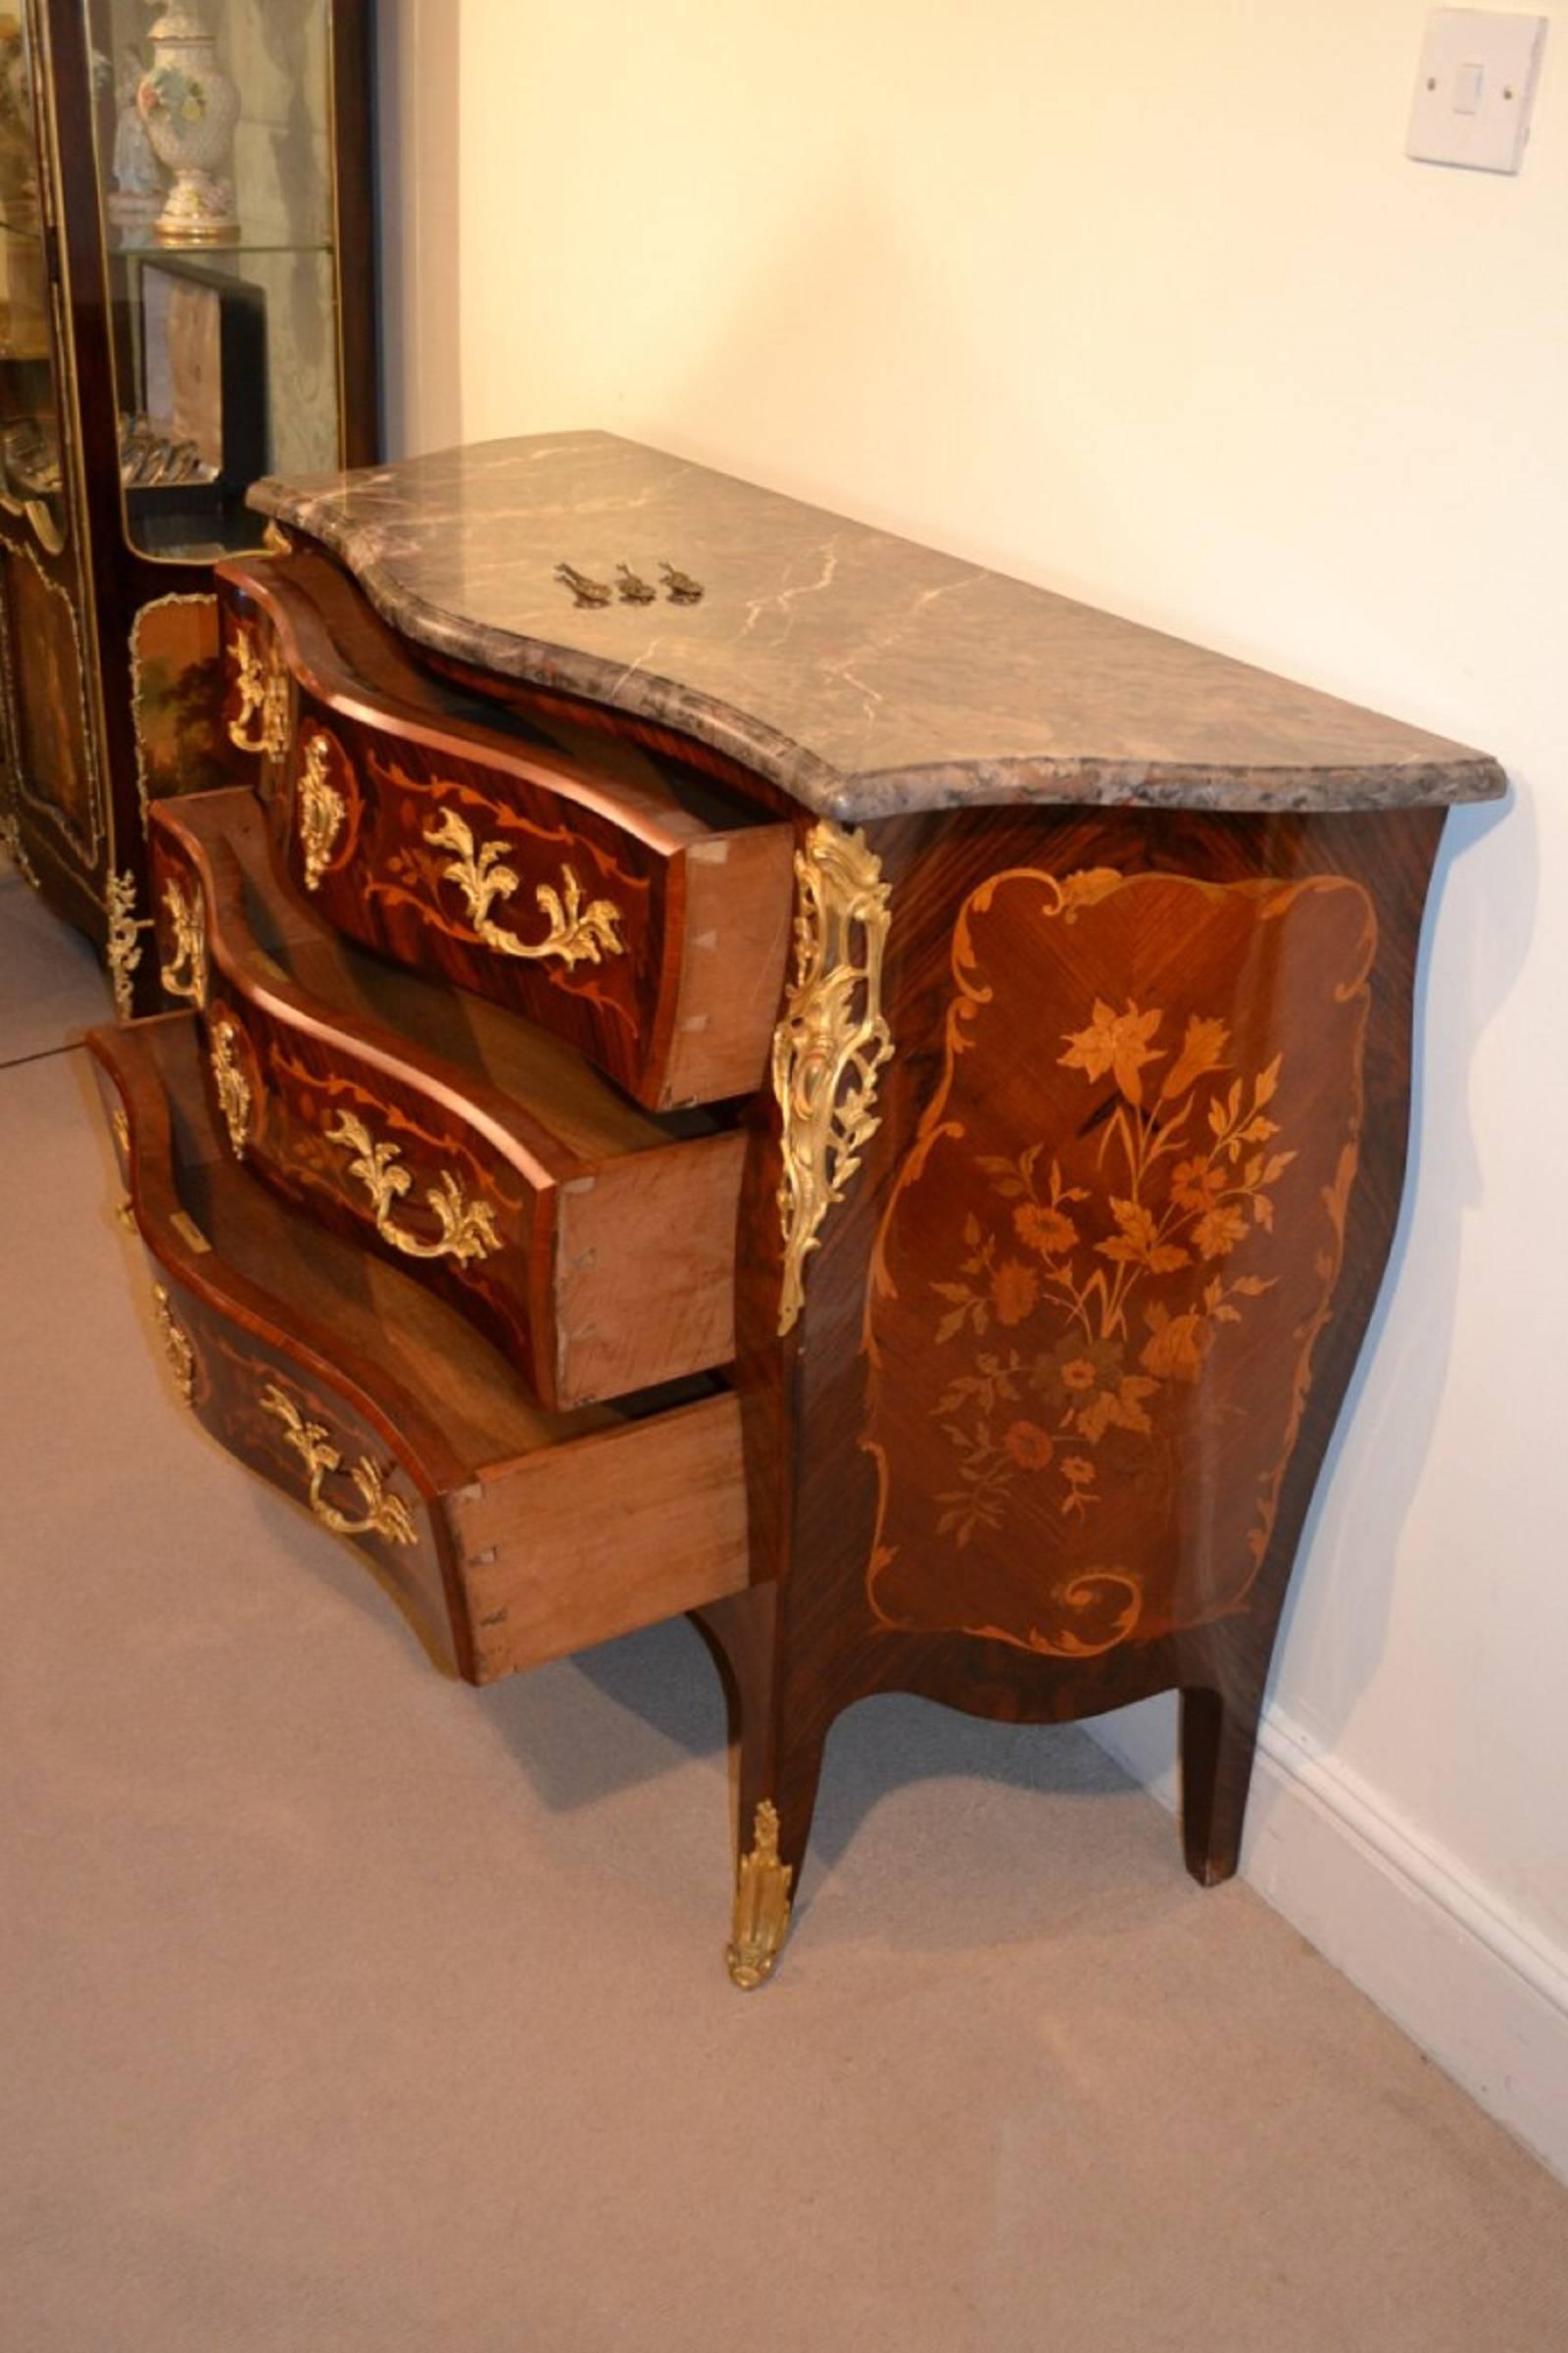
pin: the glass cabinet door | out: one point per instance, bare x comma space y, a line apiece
30, 471
214, 135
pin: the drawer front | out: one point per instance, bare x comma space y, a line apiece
274, 1409
563, 876
299, 1431
593, 1280
510, 1536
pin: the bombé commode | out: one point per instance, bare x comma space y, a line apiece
822, 1088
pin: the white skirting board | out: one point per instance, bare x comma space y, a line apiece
1436, 1951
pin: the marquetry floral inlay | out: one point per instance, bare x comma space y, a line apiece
1086, 1293
1105, 1260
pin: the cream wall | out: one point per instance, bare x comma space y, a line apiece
1145, 303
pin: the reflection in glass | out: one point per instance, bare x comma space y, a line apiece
29, 410
215, 171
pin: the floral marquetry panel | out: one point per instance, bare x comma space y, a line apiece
1109, 1254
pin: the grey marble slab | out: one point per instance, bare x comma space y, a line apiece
862, 672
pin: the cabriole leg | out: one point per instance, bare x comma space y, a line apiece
1218, 1737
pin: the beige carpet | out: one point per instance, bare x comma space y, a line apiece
350, 2011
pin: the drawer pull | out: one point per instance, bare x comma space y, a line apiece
261, 723
185, 973
384, 1515
322, 811
177, 1345
234, 1087
577, 934
467, 1228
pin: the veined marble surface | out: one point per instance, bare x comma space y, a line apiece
864, 673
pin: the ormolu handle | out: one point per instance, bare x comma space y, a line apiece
467, 1228
385, 1515
577, 934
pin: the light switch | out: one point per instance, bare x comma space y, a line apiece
1467, 83
1475, 88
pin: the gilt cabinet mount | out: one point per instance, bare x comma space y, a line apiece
842, 1093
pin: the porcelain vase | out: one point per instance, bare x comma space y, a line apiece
190, 107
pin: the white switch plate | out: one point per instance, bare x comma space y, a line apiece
1475, 88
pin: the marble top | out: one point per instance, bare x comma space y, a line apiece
864, 673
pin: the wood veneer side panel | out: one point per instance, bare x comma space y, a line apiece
832, 1649
621, 1530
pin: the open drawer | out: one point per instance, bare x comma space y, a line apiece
594, 1244
613, 894
512, 1535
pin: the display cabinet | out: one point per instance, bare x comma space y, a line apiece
186, 302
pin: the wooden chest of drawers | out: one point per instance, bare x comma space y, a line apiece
846, 1095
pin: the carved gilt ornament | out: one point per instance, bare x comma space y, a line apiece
319, 809
234, 1087
832, 1042
384, 1515
577, 933
761, 1904
177, 1345
261, 723
122, 947
467, 1228
185, 972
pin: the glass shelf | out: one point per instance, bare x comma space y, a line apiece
227, 346
148, 248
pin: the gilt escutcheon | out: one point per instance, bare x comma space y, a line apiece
320, 809
232, 1086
